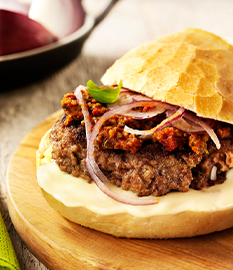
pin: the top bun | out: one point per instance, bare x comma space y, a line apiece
192, 68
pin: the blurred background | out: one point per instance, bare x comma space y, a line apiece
133, 22
129, 24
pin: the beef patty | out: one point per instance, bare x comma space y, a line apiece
151, 170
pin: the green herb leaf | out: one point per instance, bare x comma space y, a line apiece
103, 95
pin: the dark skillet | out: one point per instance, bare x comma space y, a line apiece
25, 67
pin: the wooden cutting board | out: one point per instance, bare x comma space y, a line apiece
61, 244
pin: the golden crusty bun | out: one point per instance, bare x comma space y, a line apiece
192, 69
176, 215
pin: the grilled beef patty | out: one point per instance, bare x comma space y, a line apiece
151, 170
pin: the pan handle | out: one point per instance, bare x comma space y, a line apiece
104, 13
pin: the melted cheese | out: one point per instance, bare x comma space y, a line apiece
75, 192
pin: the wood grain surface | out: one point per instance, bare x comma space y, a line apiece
61, 244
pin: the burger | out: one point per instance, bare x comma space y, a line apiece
148, 154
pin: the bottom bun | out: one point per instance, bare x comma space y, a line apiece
176, 215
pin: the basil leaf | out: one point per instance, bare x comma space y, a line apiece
103, 95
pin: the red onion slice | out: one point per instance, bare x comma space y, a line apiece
126, 109
145, 115
189, 127
126, 97
88, 125
86, 115
93, 167
96, 174
20, 33
155, 107
146, 134
205, 126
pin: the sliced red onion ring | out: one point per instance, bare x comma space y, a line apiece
189, 127
185, 124
90, 157
96, 174
86, 115
191, 123
125, 97
145, 115
146, 134
205, 126
93, 167
154, 108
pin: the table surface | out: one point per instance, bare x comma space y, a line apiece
130, 23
